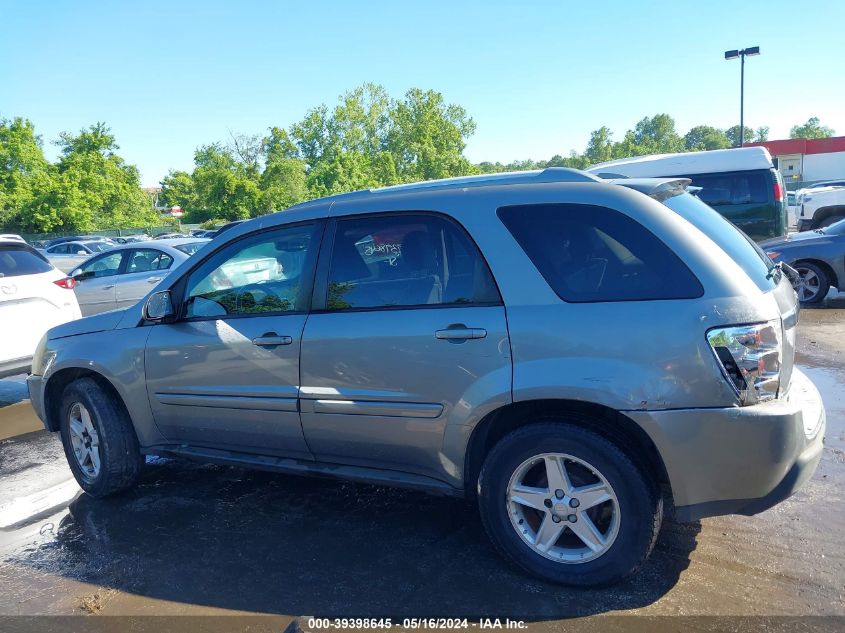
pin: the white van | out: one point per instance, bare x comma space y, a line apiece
742, 184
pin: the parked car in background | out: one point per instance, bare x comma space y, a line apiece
742, 184
558, 348
168, 236
818, 256
821, 207
77, 238
34, 297
67, 255
125, 274
225, 227
130, 239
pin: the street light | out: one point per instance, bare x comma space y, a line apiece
753, 50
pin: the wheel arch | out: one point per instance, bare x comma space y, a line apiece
824, 213
603, 420
56, 385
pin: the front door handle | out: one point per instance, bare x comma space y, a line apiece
271, 339
153, 280
460, 333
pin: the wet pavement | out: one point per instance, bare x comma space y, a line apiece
196, 539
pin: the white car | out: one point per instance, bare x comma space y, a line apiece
34, 297
125, 274
820, 207
68, 255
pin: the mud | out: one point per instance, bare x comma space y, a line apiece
194, 539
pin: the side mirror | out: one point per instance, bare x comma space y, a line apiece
159, 306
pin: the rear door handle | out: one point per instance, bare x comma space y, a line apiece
153, 280
109, 287
460, 333
271, 339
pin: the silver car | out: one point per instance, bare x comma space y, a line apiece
565, 351
121, 276
818, 256
68, 255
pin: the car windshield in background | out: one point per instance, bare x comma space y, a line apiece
741, 248
190, 248
21, 260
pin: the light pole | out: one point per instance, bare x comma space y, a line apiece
753, 50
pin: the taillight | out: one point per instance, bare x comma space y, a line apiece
778, 191
68, 282
750, 358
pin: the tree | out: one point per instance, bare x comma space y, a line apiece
23, 169
655, 135
761, 134
600, 147
705, 137
733, 135
811, 129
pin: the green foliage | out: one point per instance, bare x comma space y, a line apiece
811, 129
733, 135
705, 137
90, 187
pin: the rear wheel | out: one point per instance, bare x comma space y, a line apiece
813, 283
99, 440
567, 505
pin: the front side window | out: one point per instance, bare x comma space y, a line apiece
148, 259
59, 249
264, 273
589, 253
406, 260
104, 266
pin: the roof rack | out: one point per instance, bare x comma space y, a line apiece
538, 176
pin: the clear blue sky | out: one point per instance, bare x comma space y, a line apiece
537, 77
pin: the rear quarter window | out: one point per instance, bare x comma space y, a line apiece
590, 253
22, 260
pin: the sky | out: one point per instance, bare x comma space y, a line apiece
537, 77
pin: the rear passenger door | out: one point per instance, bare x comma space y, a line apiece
407, 335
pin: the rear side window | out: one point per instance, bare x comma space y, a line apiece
589, 253
741, 248
21, 260
389, 261
744, 187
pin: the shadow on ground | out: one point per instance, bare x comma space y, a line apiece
260, 542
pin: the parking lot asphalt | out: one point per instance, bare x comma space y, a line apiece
201, 539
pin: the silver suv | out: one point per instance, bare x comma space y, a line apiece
565, 350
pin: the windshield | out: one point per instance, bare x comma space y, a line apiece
741, 248
191, 247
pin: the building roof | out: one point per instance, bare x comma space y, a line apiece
803, 145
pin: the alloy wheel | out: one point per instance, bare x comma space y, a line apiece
85, 440
563, 508
808, 284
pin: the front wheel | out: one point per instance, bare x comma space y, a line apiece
99, 440
813, 284
567, 505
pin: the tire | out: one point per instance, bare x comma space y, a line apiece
636, 502
96, 429
814, 283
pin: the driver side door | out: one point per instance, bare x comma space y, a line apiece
226, 374
96, 280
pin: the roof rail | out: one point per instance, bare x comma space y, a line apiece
538, 176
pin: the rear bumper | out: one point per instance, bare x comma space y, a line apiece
15, 366
741, 460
